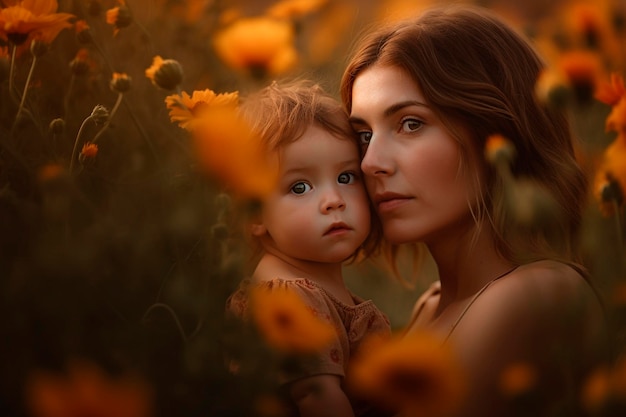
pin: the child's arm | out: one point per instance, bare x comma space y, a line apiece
320, 395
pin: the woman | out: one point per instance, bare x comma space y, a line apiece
424, 96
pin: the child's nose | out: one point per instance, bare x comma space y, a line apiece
332, 201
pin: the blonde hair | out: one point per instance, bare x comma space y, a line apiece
476, 72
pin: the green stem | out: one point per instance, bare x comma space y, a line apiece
23, 100
142, 132
80, 132
172, 313
12, 68
618, 224
108, 122
66, 100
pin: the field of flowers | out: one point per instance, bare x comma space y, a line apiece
117, 136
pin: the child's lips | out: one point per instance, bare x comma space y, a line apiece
337, 228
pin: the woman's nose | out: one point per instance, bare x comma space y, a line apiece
376, 162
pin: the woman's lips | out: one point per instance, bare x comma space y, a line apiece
387, 202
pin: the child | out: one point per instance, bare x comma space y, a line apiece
317, 217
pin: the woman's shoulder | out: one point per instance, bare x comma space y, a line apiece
547, 280
538, 294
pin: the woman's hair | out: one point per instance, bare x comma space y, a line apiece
478, 75
281, 113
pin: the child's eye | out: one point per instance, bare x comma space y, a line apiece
300, 188
411, 125
346, 178
364, 137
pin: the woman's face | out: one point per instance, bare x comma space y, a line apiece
412, 164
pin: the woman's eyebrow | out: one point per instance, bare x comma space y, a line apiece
389, 111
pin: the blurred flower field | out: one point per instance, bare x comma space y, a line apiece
118, 133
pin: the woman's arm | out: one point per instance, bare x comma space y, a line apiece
320, 395
545, 318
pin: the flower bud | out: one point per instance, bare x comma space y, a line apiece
89, 152
100, 114
83, 32
38, 48
120, 83
57, 126
167, 74
80, 64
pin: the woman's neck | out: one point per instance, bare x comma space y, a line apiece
466, 265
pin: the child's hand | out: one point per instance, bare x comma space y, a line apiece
321, 395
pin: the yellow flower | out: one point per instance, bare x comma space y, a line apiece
165, 73
82, 63
260, 46
583, 70
89, 151
119, 17
23, 20
552, 88
49, 172
416, 374
605, 385
227, 149
498, 148
120, 82
87, 390
610, 178
186, 110
596, 390
290, 9
286, 323
614, 94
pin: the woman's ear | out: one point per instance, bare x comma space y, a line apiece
258, 229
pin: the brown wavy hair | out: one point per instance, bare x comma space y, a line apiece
476, 72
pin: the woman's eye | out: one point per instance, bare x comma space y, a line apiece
411, 125
300, 188
365, 137
346, 178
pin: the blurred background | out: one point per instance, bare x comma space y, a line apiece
116, 248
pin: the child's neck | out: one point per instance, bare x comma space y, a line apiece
327, 275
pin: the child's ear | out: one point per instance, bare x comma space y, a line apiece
258, 229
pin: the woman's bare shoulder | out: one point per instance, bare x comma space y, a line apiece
536, 298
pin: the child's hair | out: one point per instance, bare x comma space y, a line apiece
281, 113
476, 72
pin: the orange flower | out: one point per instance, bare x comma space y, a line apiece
498, 148
290, 9
87, 390
552, 88
518, 379
227, 149
186, 110
596, 390
415, 374
23, 20
119, 16
49, 172
90, 150
583, 70
287, 323
611, 172
259, 45
165, 73
120, 82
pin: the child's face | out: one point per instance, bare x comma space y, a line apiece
319, 210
